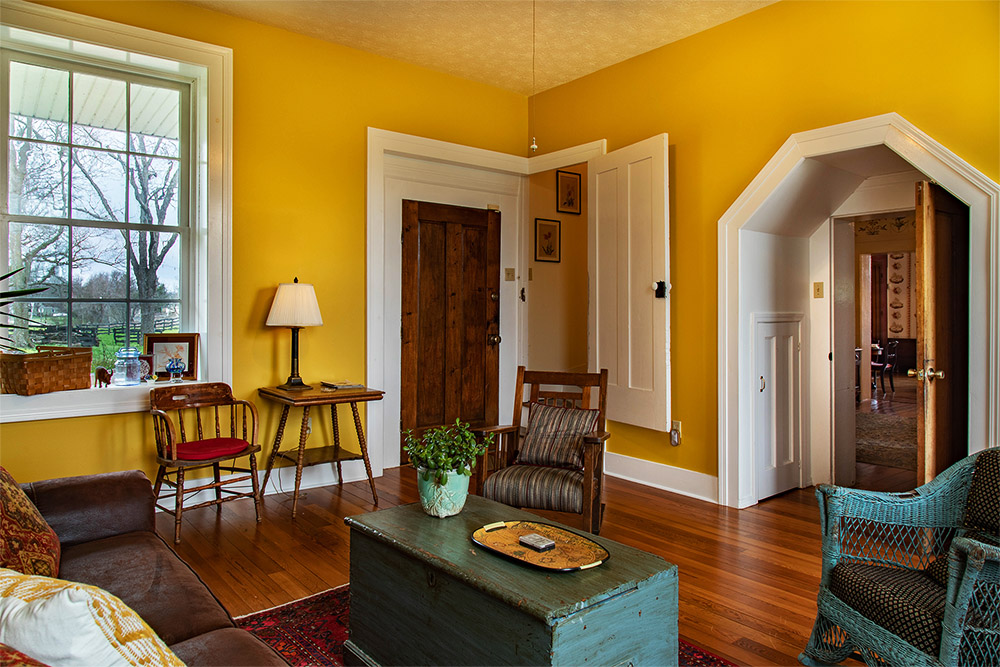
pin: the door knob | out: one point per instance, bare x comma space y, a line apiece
930, 374
493, 339
494, 296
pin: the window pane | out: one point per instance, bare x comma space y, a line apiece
48, 324
99, 268
102, 327
43, 251
155, 120
99, 112
155, 318
36, 179
155, 264
153, 190
98, 185
39, 102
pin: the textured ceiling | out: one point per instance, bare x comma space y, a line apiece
491, 40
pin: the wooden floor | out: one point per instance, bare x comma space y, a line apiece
903, 403
748, 578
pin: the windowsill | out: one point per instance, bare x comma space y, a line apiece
76, 403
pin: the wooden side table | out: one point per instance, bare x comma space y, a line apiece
334, 453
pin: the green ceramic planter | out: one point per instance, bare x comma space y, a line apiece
443, 500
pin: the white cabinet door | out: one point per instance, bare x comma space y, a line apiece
777, 430
629, 325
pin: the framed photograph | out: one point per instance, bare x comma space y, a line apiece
166, 346
567, 192
547, 240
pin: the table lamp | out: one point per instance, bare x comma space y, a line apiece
295, 306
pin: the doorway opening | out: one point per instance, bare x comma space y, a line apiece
815, 178
885, 296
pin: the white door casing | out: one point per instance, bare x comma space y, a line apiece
433, 170
628, 324
777, 405
818, 168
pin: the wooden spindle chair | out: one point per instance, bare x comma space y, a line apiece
178, 408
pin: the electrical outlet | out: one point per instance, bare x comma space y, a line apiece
817, 290
675, 433
309, 425
509, 274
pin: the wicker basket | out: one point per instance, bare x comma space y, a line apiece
49, 369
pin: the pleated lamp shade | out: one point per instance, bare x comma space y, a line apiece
295, 305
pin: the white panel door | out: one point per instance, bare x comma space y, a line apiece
777, 432
629, 325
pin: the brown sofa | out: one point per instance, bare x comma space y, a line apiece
108, 538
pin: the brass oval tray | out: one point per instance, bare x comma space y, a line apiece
572, 552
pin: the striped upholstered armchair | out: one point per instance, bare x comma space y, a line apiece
912, 578
556, 461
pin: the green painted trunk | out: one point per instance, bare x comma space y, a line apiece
423, 594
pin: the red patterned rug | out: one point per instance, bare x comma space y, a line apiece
312, 631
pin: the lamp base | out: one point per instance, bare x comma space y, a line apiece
294, 383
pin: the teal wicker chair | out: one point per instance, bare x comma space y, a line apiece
912, 578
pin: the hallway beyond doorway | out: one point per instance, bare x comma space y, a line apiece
902, 405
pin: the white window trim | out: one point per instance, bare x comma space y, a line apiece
210, 68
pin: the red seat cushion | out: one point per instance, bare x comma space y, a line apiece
211, 448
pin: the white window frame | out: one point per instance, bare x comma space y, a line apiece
39, 29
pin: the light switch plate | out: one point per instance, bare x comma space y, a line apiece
817, 290
508, 274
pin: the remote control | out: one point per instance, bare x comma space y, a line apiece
537, 542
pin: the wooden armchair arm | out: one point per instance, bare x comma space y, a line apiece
496, 430
166, 436
596, 438
252, 439
501, 452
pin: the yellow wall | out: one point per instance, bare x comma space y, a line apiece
301, 107
557, 292
730, 96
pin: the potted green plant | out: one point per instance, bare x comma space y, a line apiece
444, 458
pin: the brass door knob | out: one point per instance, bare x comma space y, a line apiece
914, 373
931, 374
493, 339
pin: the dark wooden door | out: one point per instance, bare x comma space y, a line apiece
942, 330
450, 316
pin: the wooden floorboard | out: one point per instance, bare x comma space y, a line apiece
748, 578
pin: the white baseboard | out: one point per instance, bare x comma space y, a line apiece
661, 476
282, 480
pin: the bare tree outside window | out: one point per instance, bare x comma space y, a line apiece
93, 207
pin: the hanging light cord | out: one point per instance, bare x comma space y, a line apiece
534, 144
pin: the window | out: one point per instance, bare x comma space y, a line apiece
116, 193
97, 204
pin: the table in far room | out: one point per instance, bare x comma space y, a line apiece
301, 457
423, 594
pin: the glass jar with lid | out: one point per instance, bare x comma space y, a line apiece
126, 367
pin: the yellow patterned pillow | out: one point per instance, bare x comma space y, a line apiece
64, 623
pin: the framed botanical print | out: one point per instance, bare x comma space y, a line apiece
167, 346
548, 246
567, 192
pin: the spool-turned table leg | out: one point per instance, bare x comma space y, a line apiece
364, 451
303, 434
274, 448
336, 443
